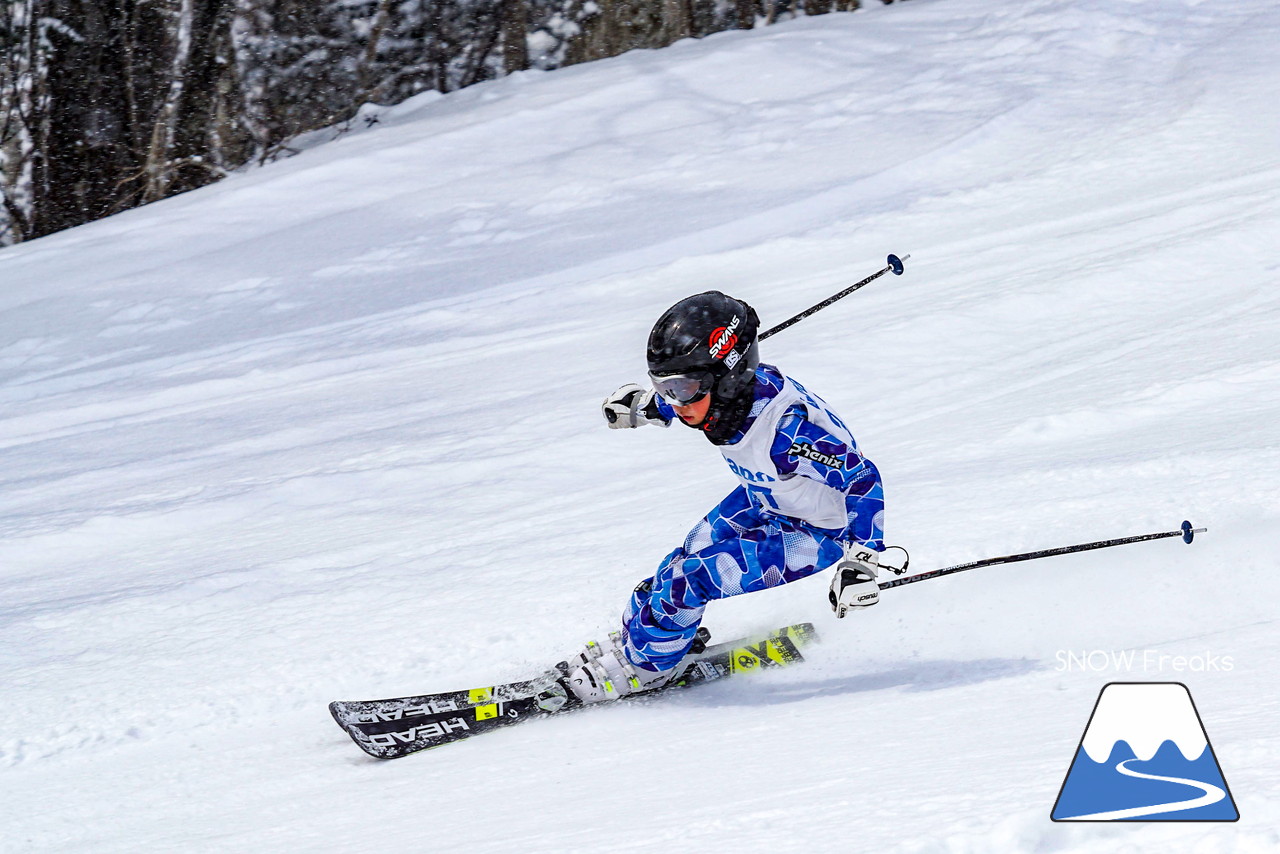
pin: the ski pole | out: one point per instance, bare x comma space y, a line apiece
1186, 532
895, 265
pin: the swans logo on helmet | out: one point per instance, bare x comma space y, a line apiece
723, 339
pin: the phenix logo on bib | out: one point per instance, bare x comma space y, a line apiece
809, 452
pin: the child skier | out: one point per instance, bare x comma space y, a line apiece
808, 499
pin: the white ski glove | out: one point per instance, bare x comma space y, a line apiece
854, 584
632, 406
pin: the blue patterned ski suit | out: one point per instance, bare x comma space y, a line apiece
770, 530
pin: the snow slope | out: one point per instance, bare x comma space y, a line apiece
330, 429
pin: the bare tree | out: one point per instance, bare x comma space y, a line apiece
107, 104
611, 27
158, 166
20, 99
114, 104
515, 29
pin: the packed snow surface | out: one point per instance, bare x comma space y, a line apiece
330, 430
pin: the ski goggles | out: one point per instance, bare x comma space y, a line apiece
683, 389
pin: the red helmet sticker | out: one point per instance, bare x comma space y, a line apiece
723, 340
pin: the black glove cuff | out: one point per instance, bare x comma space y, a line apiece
651, 411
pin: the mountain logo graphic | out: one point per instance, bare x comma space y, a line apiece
1145, 756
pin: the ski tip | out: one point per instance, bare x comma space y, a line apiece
1189, 533
896, 265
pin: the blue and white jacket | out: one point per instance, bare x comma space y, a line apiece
796, 458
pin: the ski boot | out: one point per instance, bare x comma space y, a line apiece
603, 671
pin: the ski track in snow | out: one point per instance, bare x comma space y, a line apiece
330, 429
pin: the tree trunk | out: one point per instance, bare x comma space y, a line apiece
81, 145
159, 152
677, 19
515, 31
369, 62
211, 135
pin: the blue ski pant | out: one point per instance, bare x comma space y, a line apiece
734, 549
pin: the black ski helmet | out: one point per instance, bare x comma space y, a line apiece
710, 342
